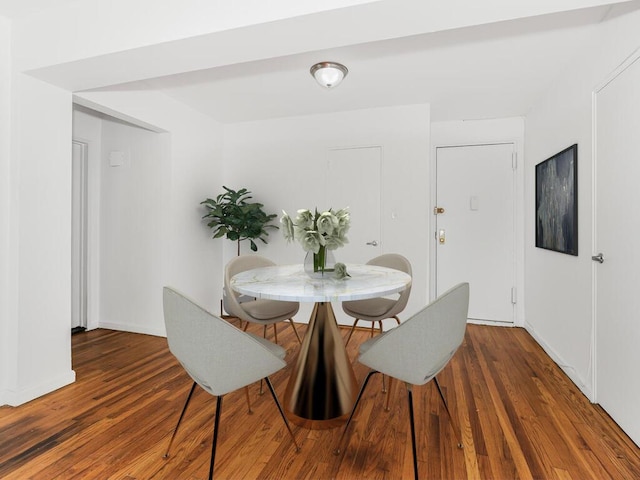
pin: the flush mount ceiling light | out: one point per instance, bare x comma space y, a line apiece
329, 74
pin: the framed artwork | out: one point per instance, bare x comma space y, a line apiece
557, 202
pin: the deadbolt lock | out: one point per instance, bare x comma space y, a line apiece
438, 210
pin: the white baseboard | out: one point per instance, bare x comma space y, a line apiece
122, 327
491, 323
569, 370
15, 398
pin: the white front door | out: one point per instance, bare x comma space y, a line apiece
475, 228
617, 230
353, 180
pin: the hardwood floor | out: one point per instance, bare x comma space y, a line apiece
521, 418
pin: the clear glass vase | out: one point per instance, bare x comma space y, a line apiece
319, 264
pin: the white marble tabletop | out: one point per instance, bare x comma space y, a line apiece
291, 283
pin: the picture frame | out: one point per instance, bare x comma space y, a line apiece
557, 202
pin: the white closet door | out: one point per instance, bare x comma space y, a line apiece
617, 232
353, 181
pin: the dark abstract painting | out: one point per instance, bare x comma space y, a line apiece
557, 202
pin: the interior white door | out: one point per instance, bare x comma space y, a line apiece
616, 232
475, 230
79, 235
353, 180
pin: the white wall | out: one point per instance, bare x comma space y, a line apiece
5, 133
283, 163
151, 232
132, 228
39, 240
475, 132
36, 316
558, 287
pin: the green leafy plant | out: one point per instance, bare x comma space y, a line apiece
231, 215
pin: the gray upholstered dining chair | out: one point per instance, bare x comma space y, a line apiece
377, 309
260, 311
417, 350
217, 356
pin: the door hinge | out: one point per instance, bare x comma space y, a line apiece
514, 160
514, 295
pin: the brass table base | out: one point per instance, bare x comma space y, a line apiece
322, 387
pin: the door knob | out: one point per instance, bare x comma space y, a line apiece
598, 258
373, 244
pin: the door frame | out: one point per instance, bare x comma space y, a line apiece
92, 166
518, 203
80, 216
631, 59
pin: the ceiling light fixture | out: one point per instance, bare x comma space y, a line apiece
329, 74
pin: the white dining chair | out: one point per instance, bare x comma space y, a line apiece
417, 350
260, 311
217, 356
377, 309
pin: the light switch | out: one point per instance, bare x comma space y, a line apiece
474, 203
116, 158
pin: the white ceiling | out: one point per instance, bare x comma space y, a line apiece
485, 71
22, 8
488, 71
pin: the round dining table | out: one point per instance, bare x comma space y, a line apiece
322, 386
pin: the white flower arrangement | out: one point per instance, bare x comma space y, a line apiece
317, 231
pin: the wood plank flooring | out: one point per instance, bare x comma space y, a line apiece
521, 418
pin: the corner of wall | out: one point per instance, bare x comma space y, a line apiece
5, 195
574, 376
559, 291
20, 396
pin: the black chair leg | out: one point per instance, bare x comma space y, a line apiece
216, 423
456, 430
413, 432
264, 334
353, 410
389, 392
175, 430
275, 399
246, 392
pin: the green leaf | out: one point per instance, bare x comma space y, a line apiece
231, 214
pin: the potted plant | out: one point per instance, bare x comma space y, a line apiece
232, 215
